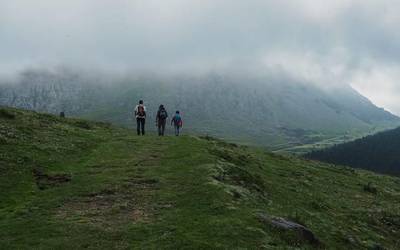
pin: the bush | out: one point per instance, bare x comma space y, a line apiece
370, 188
83, 124
6, 114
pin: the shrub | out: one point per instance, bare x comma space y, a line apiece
370, 188
6, 114
83, 124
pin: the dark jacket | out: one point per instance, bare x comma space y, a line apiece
159, 118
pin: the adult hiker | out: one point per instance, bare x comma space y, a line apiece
177, 122
140, 114
161, 119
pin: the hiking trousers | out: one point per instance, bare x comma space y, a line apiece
140, 125
161, 126
177, 130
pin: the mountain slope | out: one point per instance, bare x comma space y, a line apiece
379, 153
74, 184
268, 111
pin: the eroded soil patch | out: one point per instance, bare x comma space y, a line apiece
126, 203
44, 181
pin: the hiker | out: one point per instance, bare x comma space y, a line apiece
161, 120
177, 121
140, 114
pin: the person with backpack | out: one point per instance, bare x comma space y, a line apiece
140, 114
161, 120
177, 122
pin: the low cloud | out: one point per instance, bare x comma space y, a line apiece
326, 42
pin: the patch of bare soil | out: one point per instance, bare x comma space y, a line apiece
119, 205
44, 181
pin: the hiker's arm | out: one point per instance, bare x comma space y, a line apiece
158, 114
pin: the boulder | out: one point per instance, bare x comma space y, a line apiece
302, 232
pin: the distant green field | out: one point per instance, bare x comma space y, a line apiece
324, 140
74, 184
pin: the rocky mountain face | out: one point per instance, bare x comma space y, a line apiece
49, 92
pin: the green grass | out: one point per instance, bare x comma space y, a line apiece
102, 187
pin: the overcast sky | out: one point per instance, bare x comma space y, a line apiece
353, 42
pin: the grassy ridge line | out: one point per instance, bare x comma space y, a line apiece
148, 192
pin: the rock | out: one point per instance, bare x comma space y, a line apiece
377, 247
302, 232
350, 239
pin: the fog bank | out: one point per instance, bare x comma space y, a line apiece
331, 42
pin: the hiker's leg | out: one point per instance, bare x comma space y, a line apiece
138, 126
178, 131
143, 123
163, 127
159, 128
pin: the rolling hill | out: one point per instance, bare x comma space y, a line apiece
271, 111
379, 153
77, 184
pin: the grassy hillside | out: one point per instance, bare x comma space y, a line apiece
73, 184
379, 152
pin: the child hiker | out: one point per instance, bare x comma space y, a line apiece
177, 122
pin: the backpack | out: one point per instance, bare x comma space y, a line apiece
178, 120
163, 114
141, 112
